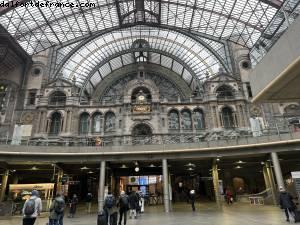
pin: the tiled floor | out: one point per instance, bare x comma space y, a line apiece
237, 214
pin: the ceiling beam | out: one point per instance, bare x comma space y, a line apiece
274, 3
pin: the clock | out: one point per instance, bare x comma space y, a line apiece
141, 98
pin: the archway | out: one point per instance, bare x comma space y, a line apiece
142, 134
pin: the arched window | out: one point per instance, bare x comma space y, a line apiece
224, 91
199, 120
173, 120
84, 123
140, 55
55, 124
57, 98
227, 117
186, 120
96, 123
110, 122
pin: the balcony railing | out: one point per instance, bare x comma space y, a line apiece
207, 138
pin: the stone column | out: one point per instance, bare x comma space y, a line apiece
38, 124
215, 175
65, 121
69, 121
166, 185
4, 185
101, 186
277, 170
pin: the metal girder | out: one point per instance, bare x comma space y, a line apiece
119, 12
274, 3
217, 13
43, 15
181, 31
95, 69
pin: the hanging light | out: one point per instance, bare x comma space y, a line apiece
137, 169
84, 168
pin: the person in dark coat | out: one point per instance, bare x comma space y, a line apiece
286, 203
73, 206
193, 199
133, 203
123, 204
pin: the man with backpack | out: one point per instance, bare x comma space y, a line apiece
32, 208
110, 206
123, 203
57, 210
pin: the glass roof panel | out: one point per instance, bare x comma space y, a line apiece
240, 21
169, 43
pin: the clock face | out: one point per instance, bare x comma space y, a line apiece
141, 98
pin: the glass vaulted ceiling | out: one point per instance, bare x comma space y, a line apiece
97, 58
213, 21
37, 28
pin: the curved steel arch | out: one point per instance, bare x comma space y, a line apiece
95, 69
185, 33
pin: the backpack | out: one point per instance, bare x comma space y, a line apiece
124, 202
59, 206
109, 202
29, 207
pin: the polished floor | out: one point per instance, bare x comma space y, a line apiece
205, 214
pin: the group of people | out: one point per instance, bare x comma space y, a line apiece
33, 207
134, 203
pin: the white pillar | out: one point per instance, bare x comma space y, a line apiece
277, 170
101, 186
166, 185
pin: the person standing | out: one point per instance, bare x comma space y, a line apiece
286, 203
229, 196
73, 206
193, 199
123, 204
89, 199
32, 208
110, 206
133, 204
57, 210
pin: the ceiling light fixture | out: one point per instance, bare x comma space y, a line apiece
137, 169
84, 168
190, 164
238, 167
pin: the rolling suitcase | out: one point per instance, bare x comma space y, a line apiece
102, 218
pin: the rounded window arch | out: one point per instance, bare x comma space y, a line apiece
55, 125
186, 119
199, 120
84, 123
225, 91
97, 122
227, 117
57, 98
142, 129
173, 120
110, 122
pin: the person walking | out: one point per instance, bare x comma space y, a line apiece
110, 206
57, 208
193, 199
32, 208
88, 200
133, 204
229, 196
73, 206
286, 203
123, 204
